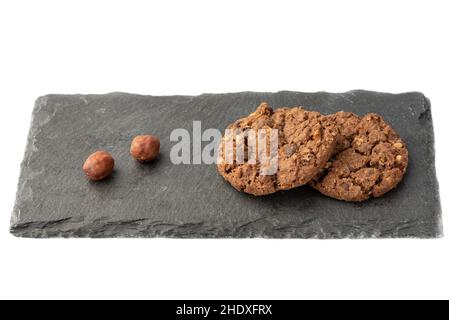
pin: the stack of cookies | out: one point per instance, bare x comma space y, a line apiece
343, 156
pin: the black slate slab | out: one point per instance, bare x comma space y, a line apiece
164, 200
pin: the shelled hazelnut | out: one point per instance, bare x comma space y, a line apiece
99, 165
145, 148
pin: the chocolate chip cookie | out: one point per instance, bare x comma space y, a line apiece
305, 140
371, 159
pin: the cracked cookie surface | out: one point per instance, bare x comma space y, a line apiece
306, 141
370, 160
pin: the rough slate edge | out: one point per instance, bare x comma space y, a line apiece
428, 106
21, 230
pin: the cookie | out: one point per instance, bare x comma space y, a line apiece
305, 142
347, 125
371, 159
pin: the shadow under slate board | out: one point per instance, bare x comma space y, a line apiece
161, 199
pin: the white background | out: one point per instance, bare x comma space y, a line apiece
191, 47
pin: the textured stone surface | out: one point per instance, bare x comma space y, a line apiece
164, 200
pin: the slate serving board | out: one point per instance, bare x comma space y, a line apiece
160, 199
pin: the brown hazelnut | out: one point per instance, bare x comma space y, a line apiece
99, 165
145, 148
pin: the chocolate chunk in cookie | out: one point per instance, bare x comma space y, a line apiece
371, 160
304, 142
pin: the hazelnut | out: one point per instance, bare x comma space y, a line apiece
99, 165
306, 151
145, 148
316, 134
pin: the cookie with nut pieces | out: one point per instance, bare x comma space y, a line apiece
305, 142
371, 159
